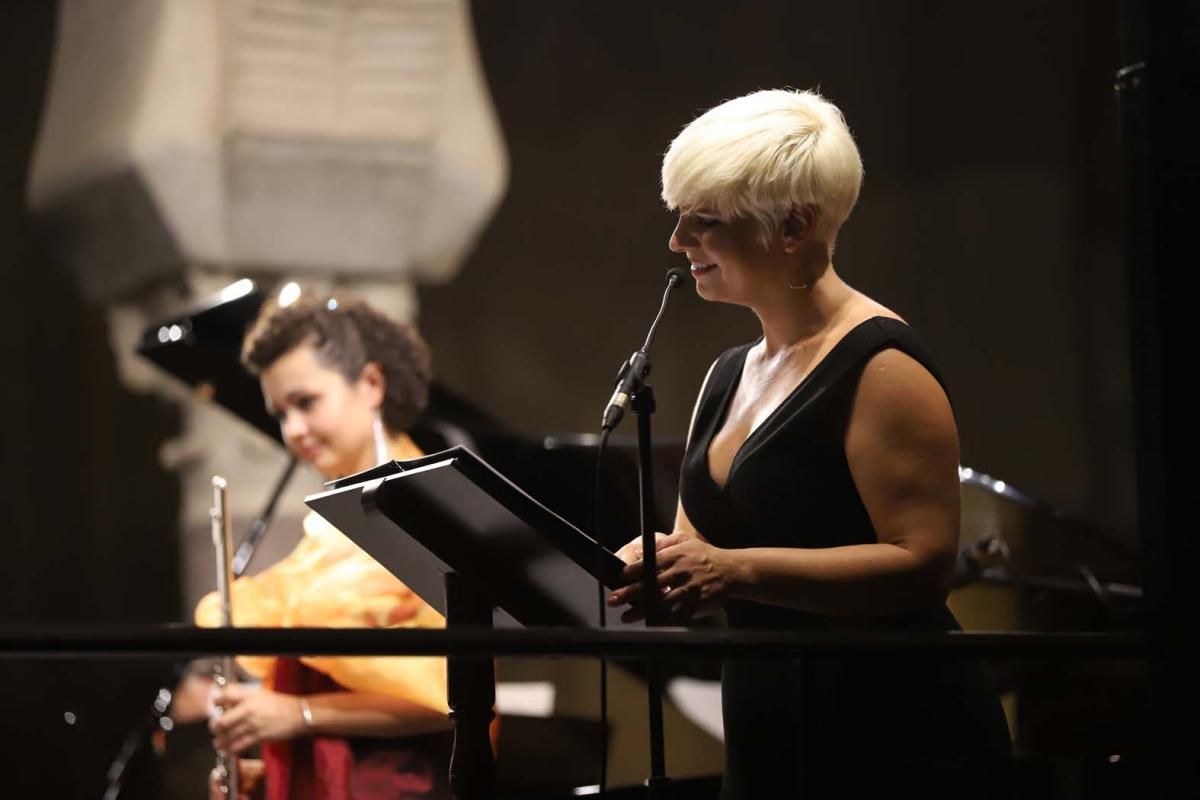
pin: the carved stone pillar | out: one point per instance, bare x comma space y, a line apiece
188, 143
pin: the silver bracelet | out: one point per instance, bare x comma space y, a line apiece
306, 712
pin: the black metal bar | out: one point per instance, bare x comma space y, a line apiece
471, 688
175, 641
1158, 87
644, 407
258, 528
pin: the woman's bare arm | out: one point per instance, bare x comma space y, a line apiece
902, 449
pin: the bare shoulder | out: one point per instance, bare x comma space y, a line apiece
865, 308
895, 379
899, 399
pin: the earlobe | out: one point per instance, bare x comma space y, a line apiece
373, 379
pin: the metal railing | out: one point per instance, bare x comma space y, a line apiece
63, 642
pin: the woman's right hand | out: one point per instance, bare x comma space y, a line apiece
631, 552
252, 716
250, 772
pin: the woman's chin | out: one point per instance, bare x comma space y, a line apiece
705, 288
711, 291
324, 462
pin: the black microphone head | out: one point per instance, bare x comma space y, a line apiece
675, 275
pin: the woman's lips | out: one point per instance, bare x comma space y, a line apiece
700, 269
308, 453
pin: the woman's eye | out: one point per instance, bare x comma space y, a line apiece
306, 403
708, 222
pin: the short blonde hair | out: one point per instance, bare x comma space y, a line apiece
763, 155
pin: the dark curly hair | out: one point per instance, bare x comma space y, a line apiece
347, 334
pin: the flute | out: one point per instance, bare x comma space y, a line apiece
224, 672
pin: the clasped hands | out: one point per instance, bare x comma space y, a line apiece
693, 577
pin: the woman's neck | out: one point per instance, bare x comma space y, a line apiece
399, 446
799, 315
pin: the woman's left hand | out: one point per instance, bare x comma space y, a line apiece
693, 576
253, 716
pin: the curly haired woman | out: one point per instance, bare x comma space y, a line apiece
345, 383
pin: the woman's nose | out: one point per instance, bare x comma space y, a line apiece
292, 427
676, 242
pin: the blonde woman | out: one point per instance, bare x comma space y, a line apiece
819, 490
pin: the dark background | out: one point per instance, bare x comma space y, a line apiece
990, 218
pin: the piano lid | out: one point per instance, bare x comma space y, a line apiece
202, 344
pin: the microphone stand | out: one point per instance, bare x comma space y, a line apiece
633, 390
1109, 595
658, 786
245, 550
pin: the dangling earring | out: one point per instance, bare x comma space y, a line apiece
803, 283
382, 454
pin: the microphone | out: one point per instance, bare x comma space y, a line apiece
632, 375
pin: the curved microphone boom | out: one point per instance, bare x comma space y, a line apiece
633, 373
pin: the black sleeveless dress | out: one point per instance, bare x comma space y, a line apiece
852, 726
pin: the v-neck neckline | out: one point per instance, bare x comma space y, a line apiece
731, 390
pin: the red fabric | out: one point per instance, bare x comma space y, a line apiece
359, 768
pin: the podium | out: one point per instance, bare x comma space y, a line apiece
482, 552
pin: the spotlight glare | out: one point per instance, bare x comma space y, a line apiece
289, 294
237, 289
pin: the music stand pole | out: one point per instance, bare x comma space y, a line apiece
471, 693
643, 406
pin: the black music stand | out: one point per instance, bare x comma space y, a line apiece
481, 551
